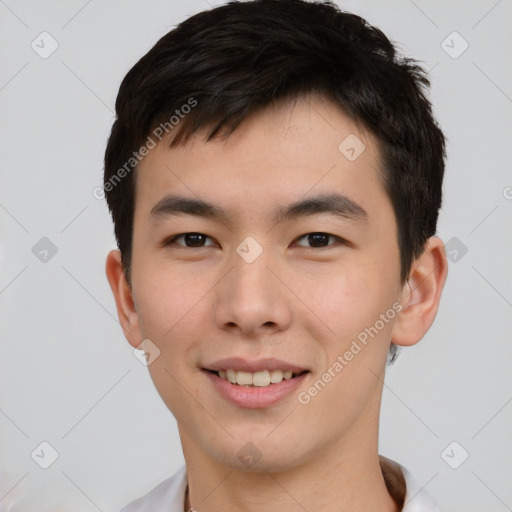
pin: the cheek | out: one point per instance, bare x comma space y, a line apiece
356, 356
358, 307
166, 316
163, 297
170, 303
347, 299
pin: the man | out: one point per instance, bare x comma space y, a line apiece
274, 176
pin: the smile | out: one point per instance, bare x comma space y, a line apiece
255, 390
256, 379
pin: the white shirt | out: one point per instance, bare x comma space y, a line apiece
169, 495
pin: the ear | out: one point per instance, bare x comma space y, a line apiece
124, 299
421, 294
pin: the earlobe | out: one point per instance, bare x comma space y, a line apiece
421, 294
123, 297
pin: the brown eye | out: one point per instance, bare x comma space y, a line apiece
319, 240
191, 240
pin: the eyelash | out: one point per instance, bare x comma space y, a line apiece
338, 239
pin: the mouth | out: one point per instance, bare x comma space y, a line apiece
256, 390
256, 383
260, 379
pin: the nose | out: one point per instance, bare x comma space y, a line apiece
253, 297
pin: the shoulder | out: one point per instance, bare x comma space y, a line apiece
169, 494
404, 489
416, 498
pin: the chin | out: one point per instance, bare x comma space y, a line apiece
263, 456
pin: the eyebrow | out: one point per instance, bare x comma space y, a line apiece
331, 203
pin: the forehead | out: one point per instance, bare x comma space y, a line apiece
277, 156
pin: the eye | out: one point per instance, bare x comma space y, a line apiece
192, 240
319, 240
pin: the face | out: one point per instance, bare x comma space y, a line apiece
272, 285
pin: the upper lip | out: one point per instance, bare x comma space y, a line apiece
243, 365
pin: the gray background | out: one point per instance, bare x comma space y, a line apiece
67, 375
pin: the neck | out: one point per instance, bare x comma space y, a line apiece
332, 483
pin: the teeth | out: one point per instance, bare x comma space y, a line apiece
244, 378
276, 376
261, 378
258, 379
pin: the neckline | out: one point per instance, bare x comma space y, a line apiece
393, 478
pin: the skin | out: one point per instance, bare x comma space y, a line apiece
295, 302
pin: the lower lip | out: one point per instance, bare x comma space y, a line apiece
255, 397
